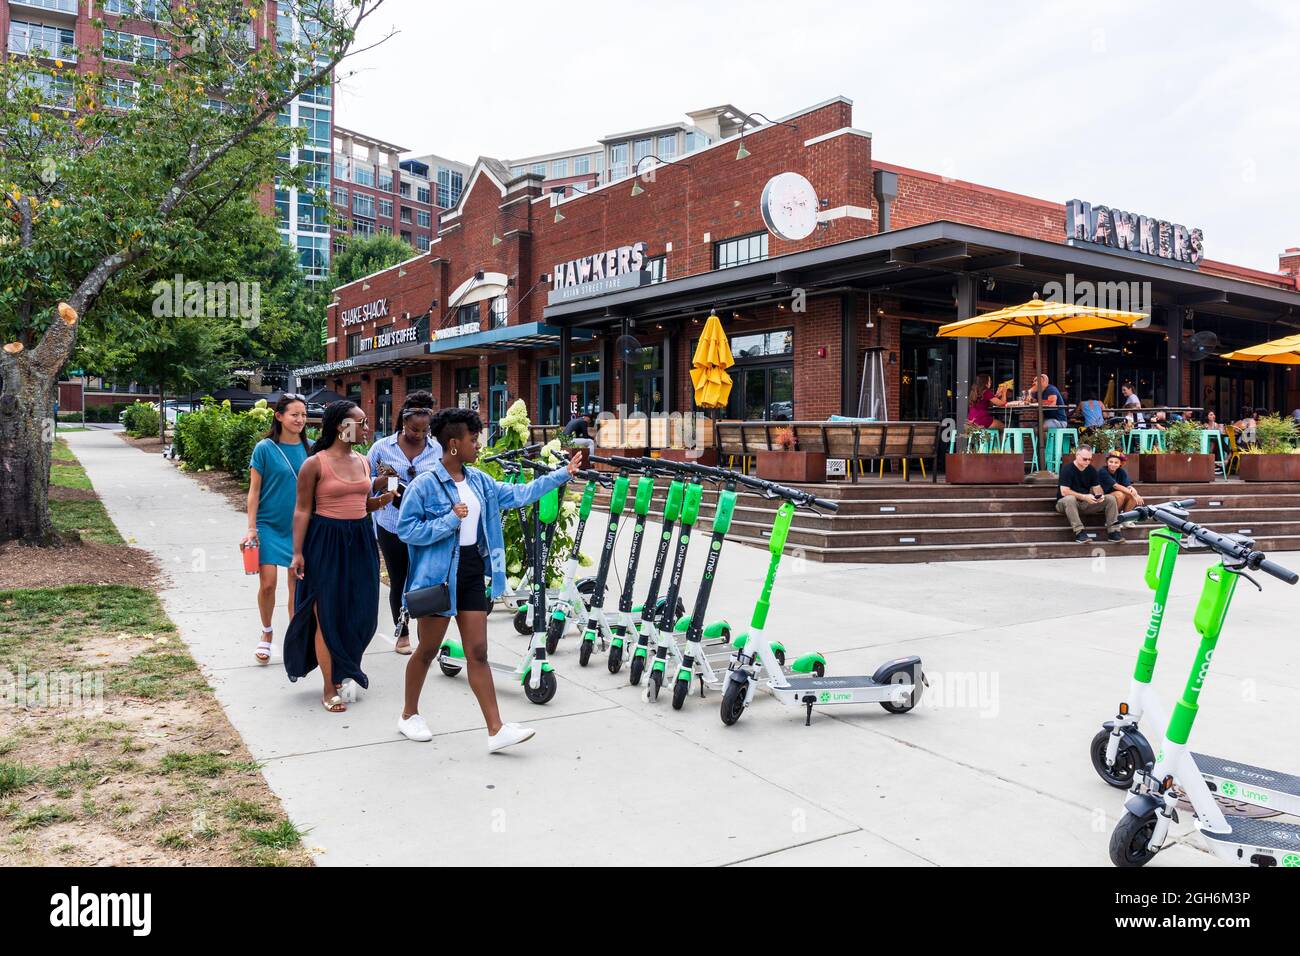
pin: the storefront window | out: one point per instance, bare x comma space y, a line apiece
1100, 367
762, 380
647, 369
419, 383
467, 394
584, 388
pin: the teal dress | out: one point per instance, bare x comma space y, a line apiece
279, 495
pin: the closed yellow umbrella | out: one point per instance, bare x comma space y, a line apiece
1283, 351
1038, 318
709, 366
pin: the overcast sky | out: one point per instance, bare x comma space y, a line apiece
1184, 111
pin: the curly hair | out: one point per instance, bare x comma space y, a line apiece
455, 422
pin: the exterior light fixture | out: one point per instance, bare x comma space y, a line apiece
496, 240
559, 216
741, 152
636, 186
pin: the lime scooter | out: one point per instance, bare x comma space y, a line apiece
533, 671
1120, 748
599, 624
625, 624
1151, 806
571, 601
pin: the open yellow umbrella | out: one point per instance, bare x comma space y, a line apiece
1283, 351
1039, 318
709, 366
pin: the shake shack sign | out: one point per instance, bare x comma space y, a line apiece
610, 271
364, 313
1133, 234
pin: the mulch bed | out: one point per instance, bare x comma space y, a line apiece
84, 563
72, 494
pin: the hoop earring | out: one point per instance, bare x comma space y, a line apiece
453, 453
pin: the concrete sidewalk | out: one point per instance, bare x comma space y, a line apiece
1025, 660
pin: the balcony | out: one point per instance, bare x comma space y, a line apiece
67, 7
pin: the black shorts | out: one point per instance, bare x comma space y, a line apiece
471, 590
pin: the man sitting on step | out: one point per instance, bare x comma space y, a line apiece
1079, 492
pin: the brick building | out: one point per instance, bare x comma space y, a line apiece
595, 301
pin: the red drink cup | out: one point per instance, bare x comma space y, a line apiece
251, 564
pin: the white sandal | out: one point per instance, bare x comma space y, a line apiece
263, 652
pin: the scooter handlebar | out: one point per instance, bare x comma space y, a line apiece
1147, 512
1174, 515
513, 453
1273, 568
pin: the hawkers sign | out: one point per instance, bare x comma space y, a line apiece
388, 338
1134, 234
364, 313
611, 271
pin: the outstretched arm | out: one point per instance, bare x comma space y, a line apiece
517, 496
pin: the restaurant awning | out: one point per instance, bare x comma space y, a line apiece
530, 335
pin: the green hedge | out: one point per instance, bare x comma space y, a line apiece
104, 413
141, 420
215, 437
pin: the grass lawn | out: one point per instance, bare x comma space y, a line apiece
85, 516
115, 751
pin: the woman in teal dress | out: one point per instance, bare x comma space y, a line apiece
272, 493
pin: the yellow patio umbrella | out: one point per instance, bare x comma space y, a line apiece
1283, 351
710, 364
1039, 318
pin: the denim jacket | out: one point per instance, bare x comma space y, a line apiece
431, 529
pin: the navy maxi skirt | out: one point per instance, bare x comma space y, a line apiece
340, 589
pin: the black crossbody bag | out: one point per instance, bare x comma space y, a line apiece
434, 600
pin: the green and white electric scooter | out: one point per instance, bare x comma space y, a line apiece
625, 624
896, 685
1151, 806
1120, 748
600, 625
534, 671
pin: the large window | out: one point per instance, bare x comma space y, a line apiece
581, 165
314, 256
340, 197
539, 169
423, 195
668, 145
467, 314
386, 180
363, 175
406, 214
740, 251
500, 311
450, 183
762, 380
386, 208
647, 367
584, 389
119, 93
618, 162
640, 150
317, 124
36, 38
657, 267
363, 204
559, 168
139, 9
130, 47
423, 218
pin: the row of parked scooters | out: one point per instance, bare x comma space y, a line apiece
668, 648
1163, 782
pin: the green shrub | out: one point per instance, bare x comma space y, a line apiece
242, 433
1104, 440
1275, 435
201, 435
71, 417
141, 420
1183, 438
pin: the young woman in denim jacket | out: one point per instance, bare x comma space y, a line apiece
451, 523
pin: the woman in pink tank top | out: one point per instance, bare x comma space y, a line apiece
335, 557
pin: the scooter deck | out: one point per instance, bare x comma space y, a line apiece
1258, 785
1262, 834
840, 690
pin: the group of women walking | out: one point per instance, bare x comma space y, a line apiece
325, 513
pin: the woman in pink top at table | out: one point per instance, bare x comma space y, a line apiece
336, 559
982, 402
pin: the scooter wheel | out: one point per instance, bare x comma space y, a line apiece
555, 631
890, 706
521, 622
615, 659
680, 689
635, 669
584, 653
819, 669
448, 668
1119, 776
1129, 843
733, 701
656, 681
543, 693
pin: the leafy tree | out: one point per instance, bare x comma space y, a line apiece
362, 257
105, 172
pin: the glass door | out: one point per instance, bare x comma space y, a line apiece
467, 394
927, 374
497, 395
383, 407
762, 393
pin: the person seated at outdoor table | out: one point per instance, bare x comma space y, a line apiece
1115, 482
1092, 411
1247, 419
983, 400
1131, 400
1211, 422
1158, 420
1079, 492
1053, 402
1295, 414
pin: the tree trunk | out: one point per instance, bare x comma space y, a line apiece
27, 430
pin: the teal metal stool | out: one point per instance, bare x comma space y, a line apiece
1143, 440
1060, 442
1211, 437
1014, 440
982, 442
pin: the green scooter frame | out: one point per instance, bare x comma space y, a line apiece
599, 624
625, 623
1150, 809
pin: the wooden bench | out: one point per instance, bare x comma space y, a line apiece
860, 444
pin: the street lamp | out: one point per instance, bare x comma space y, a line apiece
741, 153
560, 217
636, 186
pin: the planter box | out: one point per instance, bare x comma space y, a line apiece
1173, 468
977, 469
697, 456
791, 466
1269, 467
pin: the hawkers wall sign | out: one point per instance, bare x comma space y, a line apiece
1134, 234
364, 313
609, 271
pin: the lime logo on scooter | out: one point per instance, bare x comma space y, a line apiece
826, 697
1291, 859
1229, 789
1157, 615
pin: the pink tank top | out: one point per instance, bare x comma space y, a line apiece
338, 497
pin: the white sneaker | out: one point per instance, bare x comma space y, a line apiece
414, 728
508, 736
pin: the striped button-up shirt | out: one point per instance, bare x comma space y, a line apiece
386, 451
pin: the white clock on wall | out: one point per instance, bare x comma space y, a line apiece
789, 206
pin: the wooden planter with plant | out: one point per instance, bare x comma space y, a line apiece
1103, 442
785, 463
980, 460
1275, 456
1181, 460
